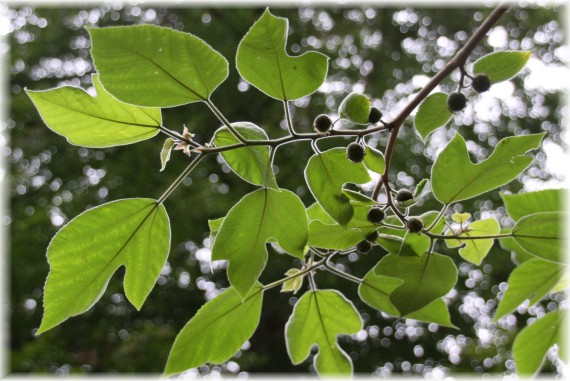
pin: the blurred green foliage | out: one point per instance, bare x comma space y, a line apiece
385, 52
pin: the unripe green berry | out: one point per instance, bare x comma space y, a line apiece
404, 195
363, 247
456, 102
481, 83
375, 115
372, 237
415, 225
355, 152
322, 123
375, 215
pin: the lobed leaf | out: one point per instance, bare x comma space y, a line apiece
475, 250
217, 331
532, 280
426, 278
456, 178
541, 234
90, 248
262, 61
154, 66
326, 173
99, 121
258, 217
432, 114
534, 341
253, 163
500, 66
317, 318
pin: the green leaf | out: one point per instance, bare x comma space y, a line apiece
418, 192
541, 235
432, 114
500, 66
326, 173
262, 61
475, 250
90, 248
334, 236
214, 228
426, 278
375, 291
153, 66
355, 107
294, 284
258, 217
374, 160
217, 331
165, 153
358, 198
417, 243
389, 242
456, 178
523, 204
532, 280
316, 212
253, 164
317, 318
534, 341
100, 121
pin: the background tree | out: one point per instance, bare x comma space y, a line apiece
388, 54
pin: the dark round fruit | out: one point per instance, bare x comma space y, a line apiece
375, 215
415, 225
404, 195
374, 116
363, 247
322, 123
481, 83
372, 237
355, 152
456, 102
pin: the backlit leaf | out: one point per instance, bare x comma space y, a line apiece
317, 319
154, 66
541, 234
165, 153
262, 61
258, 217
86, 252
355, 107
326, 173
500, 66
534, 341
532, 280
99, 121
475, 250
426, 278
374, 160
217, 331
432, 114
523, 204
456, 178
253, 164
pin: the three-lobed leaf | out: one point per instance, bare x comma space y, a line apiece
426, 278
456, 178
317, 318
262, 61
532, 280
99, 121
326, 173
475, 250
154, 66
500, 66
217, 331
541, 234
253, 163
534, 341
90, 248
263, 215
432, 114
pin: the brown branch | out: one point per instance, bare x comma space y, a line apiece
456, 62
